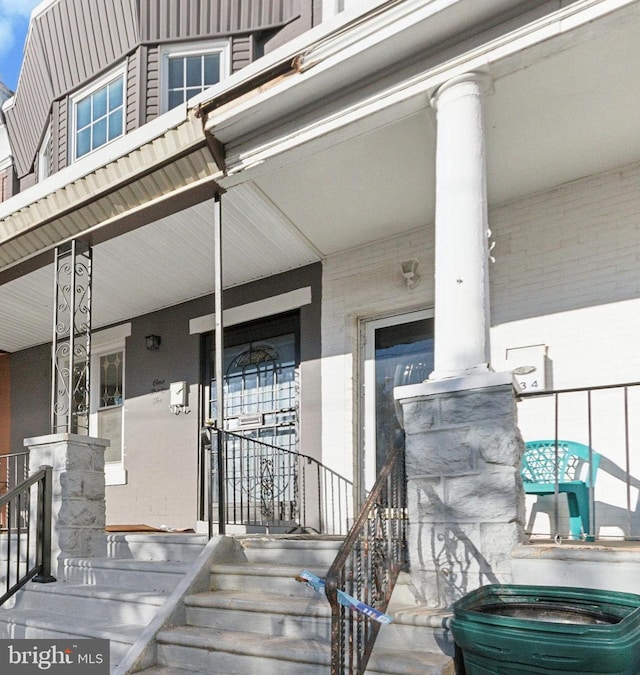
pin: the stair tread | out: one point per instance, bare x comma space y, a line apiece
312, 605
129, 564
66, 623
243, 643
118, 593
264, 569
400, 662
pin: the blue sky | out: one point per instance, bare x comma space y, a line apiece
14, 20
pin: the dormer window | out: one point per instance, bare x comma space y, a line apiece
189, 70
98, 114
44, 155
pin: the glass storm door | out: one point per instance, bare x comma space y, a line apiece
397, 350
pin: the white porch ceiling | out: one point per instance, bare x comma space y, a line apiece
566, 108
162, 264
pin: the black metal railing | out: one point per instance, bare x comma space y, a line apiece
255, 484
367, 566
14, 468
606, 419
25, 537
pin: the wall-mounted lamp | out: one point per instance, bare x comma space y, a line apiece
152, 342
411, 277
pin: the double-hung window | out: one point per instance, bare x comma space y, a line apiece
107, 405
98, 114
187, 71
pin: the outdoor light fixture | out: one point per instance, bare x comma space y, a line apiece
411, 277
153, 342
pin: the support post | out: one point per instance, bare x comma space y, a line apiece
461, 258
71, 347
219, 357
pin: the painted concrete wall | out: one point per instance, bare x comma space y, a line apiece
361, 284
161, 450
565, 276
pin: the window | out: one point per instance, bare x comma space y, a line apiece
187, 72
98, 115
107, 398
44, 156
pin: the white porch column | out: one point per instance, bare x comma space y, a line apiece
461, 223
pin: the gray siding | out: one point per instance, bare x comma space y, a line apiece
167, 20
133, 89
241, 52
59, 131
153, 82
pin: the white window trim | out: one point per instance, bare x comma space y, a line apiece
120, 71
42, 152
105, 342
223, 47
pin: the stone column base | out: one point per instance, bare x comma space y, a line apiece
78, 501
465, 495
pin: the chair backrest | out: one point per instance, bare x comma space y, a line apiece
538, 463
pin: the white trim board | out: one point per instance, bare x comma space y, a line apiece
233, 316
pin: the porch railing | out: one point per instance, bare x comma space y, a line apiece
14, 468
374, 553
607, 420
25, 536
257, 485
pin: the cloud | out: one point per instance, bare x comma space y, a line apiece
13, 13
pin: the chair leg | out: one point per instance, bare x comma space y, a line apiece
579, 514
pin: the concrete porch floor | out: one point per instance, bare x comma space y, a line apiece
605, 564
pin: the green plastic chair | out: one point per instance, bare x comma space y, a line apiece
574, 476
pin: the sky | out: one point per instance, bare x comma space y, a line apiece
14, 20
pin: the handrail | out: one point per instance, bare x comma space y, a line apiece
259, 484
367, 566
27, 515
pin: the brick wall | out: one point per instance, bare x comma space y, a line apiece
567, 275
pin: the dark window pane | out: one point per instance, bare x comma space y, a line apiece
175, 98
99, 133
176, 74
83, 113
100, 103
115, 94
193, 92
83, 142
115, 124
194, 71
211, 69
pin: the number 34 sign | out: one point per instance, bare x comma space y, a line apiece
528, 366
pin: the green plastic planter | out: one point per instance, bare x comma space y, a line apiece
511, 629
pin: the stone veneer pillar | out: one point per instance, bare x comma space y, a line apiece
78, 499
465, 496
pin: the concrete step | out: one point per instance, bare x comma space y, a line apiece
41, 623
303, 550
416, 628
231, 652
260, 578
103, 603
241, 652
137, 574
299, 617
175, 547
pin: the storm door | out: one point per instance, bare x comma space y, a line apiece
397, 350
261, 412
